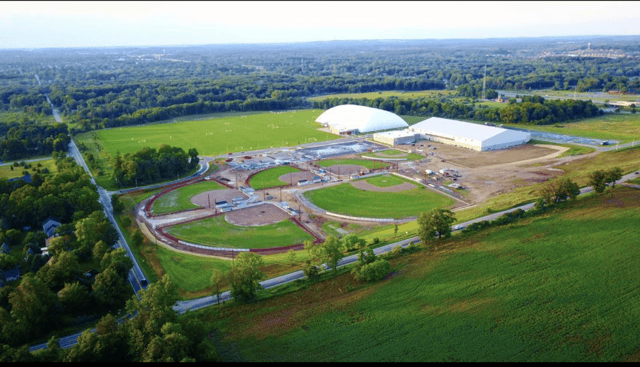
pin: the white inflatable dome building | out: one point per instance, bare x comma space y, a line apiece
352, 119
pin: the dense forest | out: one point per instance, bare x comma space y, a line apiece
54, 291
149, 166
29, 138
99, 88
531, 110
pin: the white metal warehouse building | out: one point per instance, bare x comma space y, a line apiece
352, 119
468, 135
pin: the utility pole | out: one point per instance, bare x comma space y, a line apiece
484, 83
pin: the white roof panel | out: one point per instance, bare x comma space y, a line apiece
362, 118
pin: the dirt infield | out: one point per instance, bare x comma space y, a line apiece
256, 216
364, 185
294, 177
216, 195
346, 169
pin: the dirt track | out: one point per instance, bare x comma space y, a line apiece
364, 185
256, 216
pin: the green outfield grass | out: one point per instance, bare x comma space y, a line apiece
6, 172
558, 287
394, 154
386, 180
357, 162
269, 178
348, 200
624, 128
218, 135
180, 199
217, 232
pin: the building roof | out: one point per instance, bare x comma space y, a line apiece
395, 134
49, 226
453, 129
364, 119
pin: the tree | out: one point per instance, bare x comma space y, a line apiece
436, 222
559, 190
61, 269
32, 303
291, 256
374, 271
110, 288
118, 260
116, 204
216, 281
245, 276
330, 252
366, 257
613, 175
395, 231
310, 270
597, 180
353, 242
99, 250
74, 297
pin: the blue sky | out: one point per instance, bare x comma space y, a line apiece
104, 24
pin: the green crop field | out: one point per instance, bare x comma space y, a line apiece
6, 172
558, 287
180, 199
348, 200
358, 162
624, 128
387, 94
218, 135
218, 232
269, 178
394, 154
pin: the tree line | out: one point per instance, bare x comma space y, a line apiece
531, 110
28, 138
149, 166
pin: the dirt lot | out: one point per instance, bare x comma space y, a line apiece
472, 159
294, 177
364, 185
346, 169
486, 174
256, 216
216, 195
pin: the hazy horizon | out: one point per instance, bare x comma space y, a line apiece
35, 25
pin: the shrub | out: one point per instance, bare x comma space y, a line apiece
374, 271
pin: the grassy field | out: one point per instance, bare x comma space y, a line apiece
624, 128
348, 200
387, 94
595, 97
6, 172
217, 231
573, 149
269, 178
525, 292
358, 162
218, 135
179, 200
385, 180
395, 154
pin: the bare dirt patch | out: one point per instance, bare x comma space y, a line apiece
294, 177
346, 169
473, 159
202, 199
364, 185
256, 216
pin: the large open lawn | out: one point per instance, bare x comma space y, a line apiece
218, 135
559, 287
218, 232
348, 200
624, 128
357, 162
269, 178
180, 199
394, 154
6, 172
